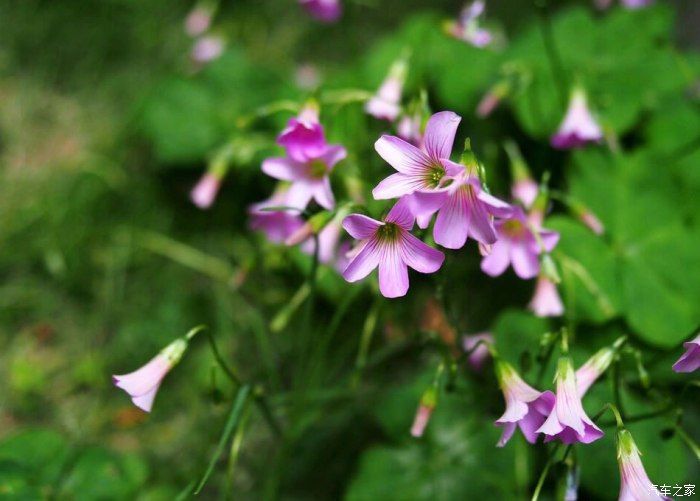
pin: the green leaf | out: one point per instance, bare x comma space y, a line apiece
41, 453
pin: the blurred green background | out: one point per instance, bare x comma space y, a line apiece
104, 129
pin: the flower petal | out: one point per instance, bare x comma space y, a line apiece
283, 168
419, 255
360, 226
334, 153
393, 273
496, 263
549, 239
495, 206
401, 214
525, 262
397, 185
452, 222
481, 226
324, 194
423, 204
363, 263
145, 401
440, 134
402, 156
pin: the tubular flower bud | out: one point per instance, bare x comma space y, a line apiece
579, 127
526, 407
634, 482
568, 421
589, 372
385, 105
427, 405
142, 384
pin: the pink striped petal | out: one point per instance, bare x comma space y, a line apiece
452, 222
498, 260
283, 168
363, 263
397, 185
525, 262
440, 134
402, 156
360, 226
393, 273
419, 255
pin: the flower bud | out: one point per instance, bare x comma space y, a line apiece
427, 404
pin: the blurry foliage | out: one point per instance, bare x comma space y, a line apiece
105, 128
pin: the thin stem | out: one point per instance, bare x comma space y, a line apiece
555, 62
545, 471
689, 441
365, 341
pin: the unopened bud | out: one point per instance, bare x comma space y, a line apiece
312, 227
427, 404
549, 269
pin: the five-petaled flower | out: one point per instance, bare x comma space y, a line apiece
519, 246
526, 407
308, 164
142, 384
390, 246
690, 360
579, 127
568, 421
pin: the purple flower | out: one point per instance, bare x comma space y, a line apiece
389, 246
419, 168
594, 367
518, 246
526, 407
410, 128
309, 161
546, 301
142, 384
525, 191
204, 192
385, 105
634, 482
326, 11
463, 208
198, 21
568, 421
277, 225
690, 360
207, 48
478, 357
328, 241
467, 26
578, 127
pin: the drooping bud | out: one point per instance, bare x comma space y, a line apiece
634, 481
207, 49
385, 104
546, 301
205, 191
493, 97
199, 19
589, 372
525, 189
479, 354
313, 226
142, 384
426, 406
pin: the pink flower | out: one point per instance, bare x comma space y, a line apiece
385, 105
594, 367
634, 482
277, 225
419, 168
427, 405
389, 246
690, 360
593, 223
198, 21
480, 355
409, 128
204, 192
467, 26
326, 11
309, 161
526, 407
463, 208
142, 384
207, 48
518, 246
568, 421
579, 127
546, 301
328, 241
525, 190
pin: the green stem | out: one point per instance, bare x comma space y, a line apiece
365, 341
545, 471
689, 441
555, 62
